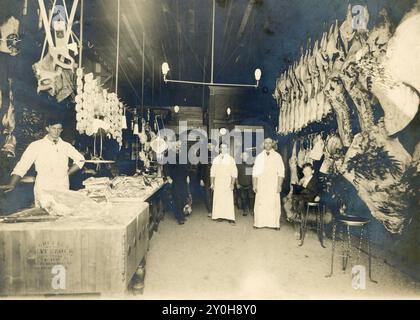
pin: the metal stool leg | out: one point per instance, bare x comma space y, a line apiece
362, 229
346, 255
333, 248
320, 228
303, 228
369, 256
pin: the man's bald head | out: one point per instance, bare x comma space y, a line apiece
268, 144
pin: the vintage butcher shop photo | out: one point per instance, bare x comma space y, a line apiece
208, 155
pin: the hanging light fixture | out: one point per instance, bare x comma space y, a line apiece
124, 121
136, 129
166, 69
176, 109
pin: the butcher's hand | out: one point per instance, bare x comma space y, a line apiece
202, 183
232, 186
212, 186
255, 189
8, 188
12, 185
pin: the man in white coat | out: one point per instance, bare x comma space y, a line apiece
268, 175
223, 174
51, 158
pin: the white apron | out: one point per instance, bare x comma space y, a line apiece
223, 170
45, 183
267, 170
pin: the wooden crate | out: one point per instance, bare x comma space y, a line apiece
98, 254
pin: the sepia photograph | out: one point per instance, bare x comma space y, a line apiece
216, 151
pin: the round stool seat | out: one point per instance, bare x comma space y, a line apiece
353, 221
312, 204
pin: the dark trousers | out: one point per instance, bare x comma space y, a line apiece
173, 202
246, 199
298, 207
207, 196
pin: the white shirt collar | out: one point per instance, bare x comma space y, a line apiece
52, 142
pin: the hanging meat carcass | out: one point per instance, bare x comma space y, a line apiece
335, 94
359, 96
55, 69
320, 101
374, 165
281, 116
9, 36
292, 113
313, 70
10, 146
321, 60
287, 118
46, 74
313, 106
398, 100
332, 41
317, 149
294, 179
397, 83
346, 30
379, 37
298, 115
305, 76
301, 107
9, 121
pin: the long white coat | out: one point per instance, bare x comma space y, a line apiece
223, 170
267, 170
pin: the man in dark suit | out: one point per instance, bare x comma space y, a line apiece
244, 185
203, 174
176, 188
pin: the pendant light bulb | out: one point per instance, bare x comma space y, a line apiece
136, 129
258, 74
165, 68
124, 122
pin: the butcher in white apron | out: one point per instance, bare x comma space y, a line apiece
51, 158
268, 175
223, 174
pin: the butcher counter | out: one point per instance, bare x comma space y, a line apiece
153, 196
75, 255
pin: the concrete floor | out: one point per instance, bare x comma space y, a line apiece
204, 259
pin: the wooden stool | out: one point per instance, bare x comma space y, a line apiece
348, 222
316, 208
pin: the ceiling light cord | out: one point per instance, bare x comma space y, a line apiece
142, 72
118, 47
81, 33
166, 69
212, 42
